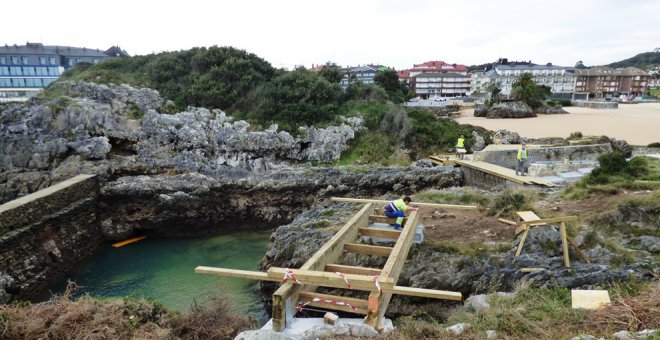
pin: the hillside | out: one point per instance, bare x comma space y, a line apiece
642, 60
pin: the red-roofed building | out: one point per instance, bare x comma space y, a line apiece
437, 78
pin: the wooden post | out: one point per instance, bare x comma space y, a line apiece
564, 242
522, 242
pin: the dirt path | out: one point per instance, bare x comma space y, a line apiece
638, 124
464, 226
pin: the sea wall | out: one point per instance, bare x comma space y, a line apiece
595, 105
42, 235
508, 158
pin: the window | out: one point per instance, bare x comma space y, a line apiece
29, 82
18, 82
28, 71
3, 60
48, 81
42, 60
52, 61
4, 71
71, 62
24, 59
15, 71
96, 61
42, 71
14, 60
38, 82
5, 82
53, 71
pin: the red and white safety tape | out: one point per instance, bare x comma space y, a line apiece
375, 277
345, 279
288, 274
337, 303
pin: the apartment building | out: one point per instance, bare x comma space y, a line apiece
27, 69
437, 79
607, 82
364, 74
561, 80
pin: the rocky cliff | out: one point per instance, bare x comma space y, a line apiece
84, 127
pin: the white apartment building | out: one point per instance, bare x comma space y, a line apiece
561, 80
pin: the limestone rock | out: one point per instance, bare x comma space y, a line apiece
479, 142
623, 335
491, 335
92, 149
262, 334
510, 110
458, 328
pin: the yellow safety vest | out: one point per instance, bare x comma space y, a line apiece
522, 154
460, 143
397, 205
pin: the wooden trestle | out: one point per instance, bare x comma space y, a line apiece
322, 270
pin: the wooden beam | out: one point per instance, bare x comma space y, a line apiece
351, 269
550, 220
522, 242
564, 244
530, 270
419, 204
367, 249
245, 274
328, 253
384, 219
306, 297
507, 221
582, 255
331, 279
383, 233
428, 293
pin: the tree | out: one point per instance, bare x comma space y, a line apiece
494, 88
579, 65
525, 89
332, 73
389, 81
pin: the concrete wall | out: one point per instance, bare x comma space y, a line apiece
484, 180
595, 105
508, 158
42, 235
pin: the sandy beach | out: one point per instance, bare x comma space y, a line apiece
638, 124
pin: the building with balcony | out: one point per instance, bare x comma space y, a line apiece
427, 85
364, 74
560, 80
607, 82
27, 69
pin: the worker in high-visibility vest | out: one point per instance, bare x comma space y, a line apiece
397, 209
522, 158
460, 147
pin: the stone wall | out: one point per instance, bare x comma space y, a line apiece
42, 235
507, 158
595, 105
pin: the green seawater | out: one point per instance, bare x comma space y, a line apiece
163, 270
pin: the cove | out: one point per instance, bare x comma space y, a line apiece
162, 270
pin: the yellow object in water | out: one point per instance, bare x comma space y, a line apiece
129, 241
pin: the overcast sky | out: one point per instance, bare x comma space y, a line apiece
389, 32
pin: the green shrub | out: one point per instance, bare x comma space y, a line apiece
654, 145
508, 202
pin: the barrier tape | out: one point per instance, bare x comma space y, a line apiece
345, 279
288, 274
375, 277
337, 303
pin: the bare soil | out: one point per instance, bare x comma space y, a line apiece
464, 226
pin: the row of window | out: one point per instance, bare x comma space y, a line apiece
25, 82
29, 71
25, 60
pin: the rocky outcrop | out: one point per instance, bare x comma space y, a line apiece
291, 245
195, 204
505, 110
550, 110
90, 128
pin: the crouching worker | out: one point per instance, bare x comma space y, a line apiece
397, 209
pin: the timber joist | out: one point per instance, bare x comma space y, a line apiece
324, 270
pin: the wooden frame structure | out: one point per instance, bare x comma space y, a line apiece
322, 270
529, 219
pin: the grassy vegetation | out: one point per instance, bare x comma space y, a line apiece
615, 174
546, 313
89, 318
471, 249
465, 197
509, 201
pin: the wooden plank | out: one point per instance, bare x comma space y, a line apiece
564, 243
331, 306
331, 279
328, 253
428, 293
551, 220
507, 221
527, 216
520, 229
508, 174
307, 296
351, 269
530, 270
582, 255
367, 249
246, 274
419, 204
384, 219
382, 233
589, 299
521, 244
129, 241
